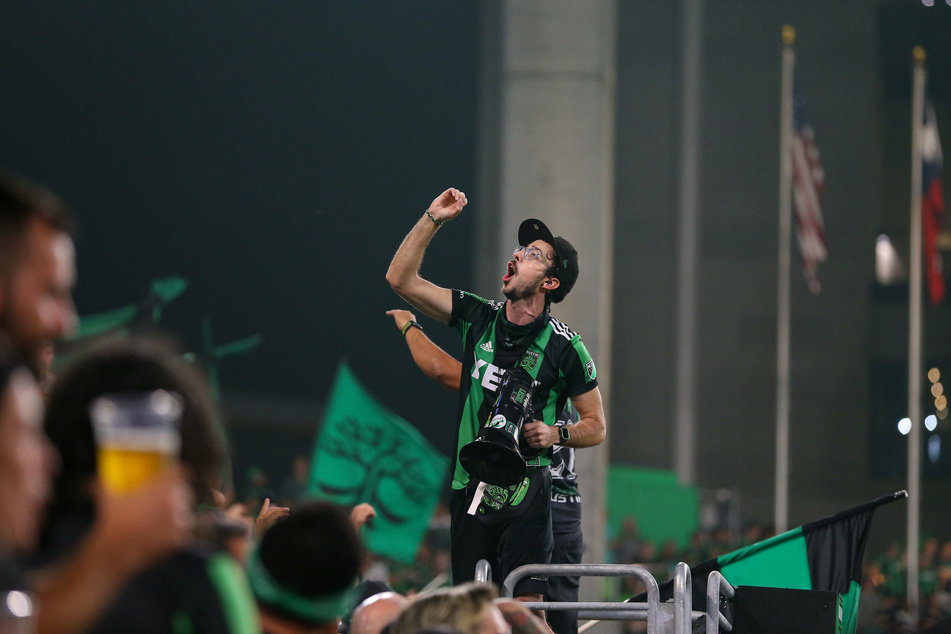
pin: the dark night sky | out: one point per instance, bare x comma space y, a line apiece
274, 154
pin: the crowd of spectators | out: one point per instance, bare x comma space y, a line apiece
183, 552
176, 550
882, 607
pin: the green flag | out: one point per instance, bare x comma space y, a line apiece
822, 555
366, 453
148, 311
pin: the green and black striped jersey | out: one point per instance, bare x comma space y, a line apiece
555, 358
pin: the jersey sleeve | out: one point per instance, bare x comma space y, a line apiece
581, 375
469, 309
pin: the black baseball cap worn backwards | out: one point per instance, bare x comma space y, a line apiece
566, 256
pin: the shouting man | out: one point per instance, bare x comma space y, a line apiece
508, 526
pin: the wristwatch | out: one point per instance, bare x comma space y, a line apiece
564, 435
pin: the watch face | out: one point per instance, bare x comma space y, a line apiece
564, 434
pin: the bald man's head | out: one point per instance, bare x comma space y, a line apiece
377, 612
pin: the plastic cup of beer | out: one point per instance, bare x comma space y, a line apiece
137, 434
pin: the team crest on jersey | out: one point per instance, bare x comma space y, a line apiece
529, 360
589, 370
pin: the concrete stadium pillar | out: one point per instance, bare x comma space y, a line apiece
546, 150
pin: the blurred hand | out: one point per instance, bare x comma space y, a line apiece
137, 529
268, 516
362, 513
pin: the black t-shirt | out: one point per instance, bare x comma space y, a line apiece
547, 349
565, 497
192, 591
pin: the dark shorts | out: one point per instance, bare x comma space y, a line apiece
507, 536
567, 550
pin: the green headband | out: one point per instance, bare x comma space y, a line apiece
323, 609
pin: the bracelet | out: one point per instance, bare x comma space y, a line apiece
435, 222
410, 324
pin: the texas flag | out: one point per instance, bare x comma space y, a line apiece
932, 203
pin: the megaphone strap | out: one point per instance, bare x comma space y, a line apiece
477, 498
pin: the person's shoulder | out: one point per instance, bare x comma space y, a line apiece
569, 349
561, 330
472, 298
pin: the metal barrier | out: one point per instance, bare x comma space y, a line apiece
716, 585
683, 599
483, 572
626, 611
662, 618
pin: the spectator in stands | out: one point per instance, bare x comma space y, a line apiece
304, 569
627, 544
377, 612
27, 459
195, 589
294, 487
257, 489
466, 609
37, 268
469, 608
37, 271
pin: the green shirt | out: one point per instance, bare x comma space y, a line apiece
555, 357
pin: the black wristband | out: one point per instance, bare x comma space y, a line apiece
410, 324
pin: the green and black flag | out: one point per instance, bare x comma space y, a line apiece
366, 453
823, 555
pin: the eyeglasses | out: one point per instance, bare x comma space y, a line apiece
533, 253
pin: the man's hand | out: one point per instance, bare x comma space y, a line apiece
448, 205
538, 435
268, 516
402, 317
143, 526
131, 532
362, 513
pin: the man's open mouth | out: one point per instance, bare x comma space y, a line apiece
509, 271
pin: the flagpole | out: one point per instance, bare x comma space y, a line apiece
785, 245
914, 332
685, 407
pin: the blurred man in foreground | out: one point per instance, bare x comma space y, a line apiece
37, 268
37, 273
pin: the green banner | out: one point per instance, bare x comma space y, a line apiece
366, 453
663, 508
149, 310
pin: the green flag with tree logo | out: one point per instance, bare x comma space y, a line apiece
366, 453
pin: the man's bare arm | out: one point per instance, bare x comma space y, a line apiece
435, 362
591, 427
587, 432
403, 274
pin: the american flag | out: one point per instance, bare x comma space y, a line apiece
932, 203
808, 183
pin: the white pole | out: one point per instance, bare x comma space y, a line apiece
781, 512
914, 332
685, 410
